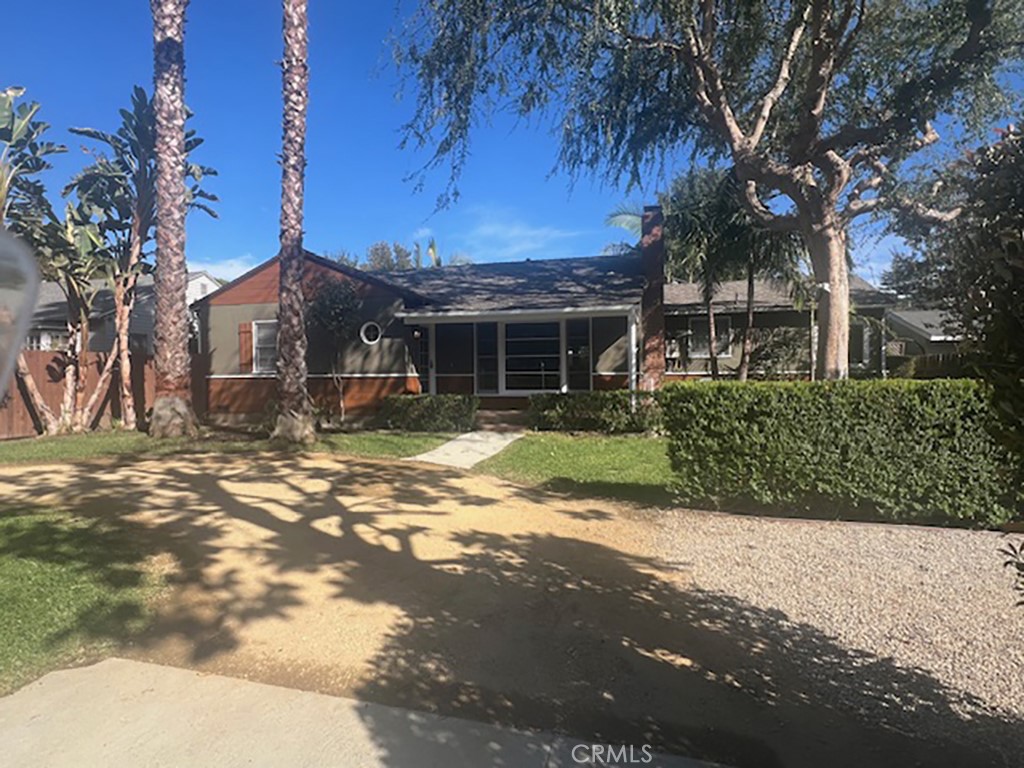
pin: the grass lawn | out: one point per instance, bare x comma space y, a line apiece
630, 467
69, 589
134, 444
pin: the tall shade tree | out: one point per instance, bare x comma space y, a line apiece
295, 419
817, 103
24, 209
172, 407
121, 185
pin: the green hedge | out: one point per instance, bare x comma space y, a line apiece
914, 451
610, 412
429, 413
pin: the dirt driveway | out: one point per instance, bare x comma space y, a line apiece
438, 590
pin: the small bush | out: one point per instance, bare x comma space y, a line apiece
611, 412
912, 451
429, 413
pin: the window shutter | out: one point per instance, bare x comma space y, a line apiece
245, 347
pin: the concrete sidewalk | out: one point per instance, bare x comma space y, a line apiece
126, 713
469, 449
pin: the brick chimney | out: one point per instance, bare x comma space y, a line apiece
652, 312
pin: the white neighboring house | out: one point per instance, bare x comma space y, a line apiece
200, 284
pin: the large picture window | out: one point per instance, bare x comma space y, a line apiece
699, 347
532, 355
264, 346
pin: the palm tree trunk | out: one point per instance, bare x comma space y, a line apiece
712, 340
295, 420
748, 332
172, 407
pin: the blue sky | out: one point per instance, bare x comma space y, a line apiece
512, 207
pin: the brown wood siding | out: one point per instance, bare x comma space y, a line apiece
16, 419
253, 397
611, 382
261, 285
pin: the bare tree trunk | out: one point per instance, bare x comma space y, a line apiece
712, 340
748, 332
124, 301
172, 408
79, 421
827, 247
101, 388
47, 421
295, 420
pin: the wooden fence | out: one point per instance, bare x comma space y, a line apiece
16, 417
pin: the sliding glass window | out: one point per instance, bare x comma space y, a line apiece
532, 354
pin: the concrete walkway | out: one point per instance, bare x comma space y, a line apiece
126, 713
469, 449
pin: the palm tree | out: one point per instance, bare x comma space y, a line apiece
698, 245
122, 185
295, 420
24, 210
172, 407
710, 238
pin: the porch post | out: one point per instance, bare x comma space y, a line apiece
632, 351
563, 363
432, 357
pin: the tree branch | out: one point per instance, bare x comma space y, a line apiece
776, 222
781, 82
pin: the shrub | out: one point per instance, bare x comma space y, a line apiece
429, 413
913, 451
609, 412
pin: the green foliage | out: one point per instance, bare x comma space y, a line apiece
986, 246
618, 81
24, 155
906, 451
429, 413
334, 309
612, 412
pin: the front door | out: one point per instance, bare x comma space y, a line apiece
577, 354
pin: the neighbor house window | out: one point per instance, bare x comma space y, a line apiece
47, 341
699, 347
532, 356
264, 346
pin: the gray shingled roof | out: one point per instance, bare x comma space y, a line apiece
931, 324
51, 307
593, 281
683, 298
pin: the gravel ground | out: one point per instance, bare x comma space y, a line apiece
924, 616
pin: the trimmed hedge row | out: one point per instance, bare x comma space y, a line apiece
909, 451
429, 413
611, 412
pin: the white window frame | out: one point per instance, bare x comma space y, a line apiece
718, 329
255, 345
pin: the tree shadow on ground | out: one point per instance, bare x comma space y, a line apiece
536, 630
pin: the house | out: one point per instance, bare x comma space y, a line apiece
47, 341
48, 331
199, 284
915, 332
500, 331
923, 343
783, 328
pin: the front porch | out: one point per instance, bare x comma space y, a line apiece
504, 357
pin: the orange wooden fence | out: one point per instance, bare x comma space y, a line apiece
16, 417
